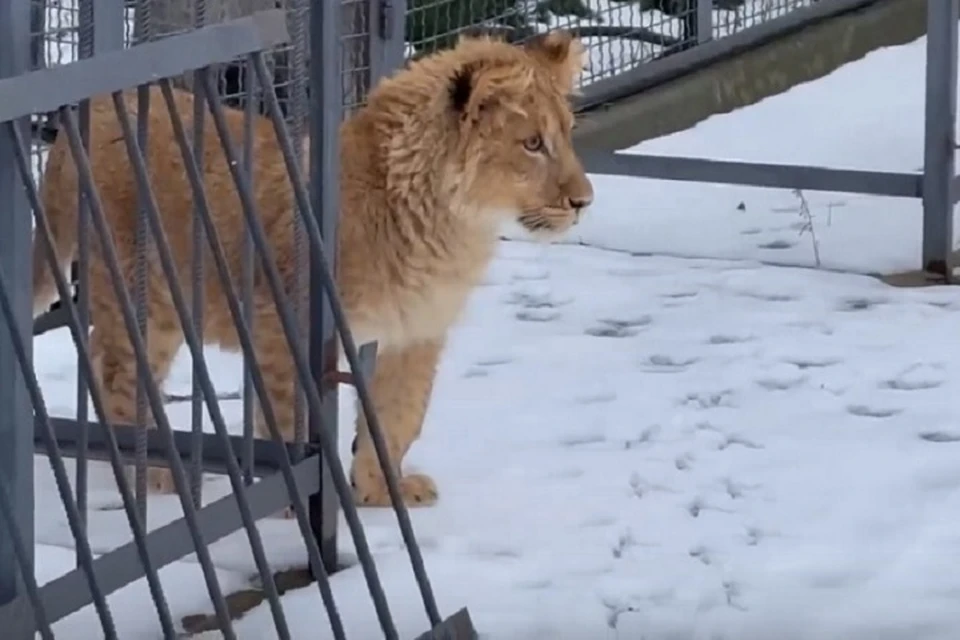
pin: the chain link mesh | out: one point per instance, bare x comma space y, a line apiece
619, 34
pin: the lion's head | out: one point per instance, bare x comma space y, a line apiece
486, 127
514, 121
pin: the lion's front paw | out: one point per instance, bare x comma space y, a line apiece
417, 490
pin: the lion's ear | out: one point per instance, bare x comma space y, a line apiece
472, 92
563, 54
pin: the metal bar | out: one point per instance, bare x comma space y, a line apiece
16, 622
704, 20
755, 174
646, 76
86, 367
116, 569
297, 110
16, 453
85, 49
940, 118
108, 26
109, 255
392, 23
22, 349
289, 326
247, 270
12, 318
195, 345
143, 32
246, 346
196, 275
267, 454
321, 270
376, 39
459, 626
326, 113
50, 89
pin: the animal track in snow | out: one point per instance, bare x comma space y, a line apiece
701, 553
864, 411
860, 303
915, 378
613, 328
782, 382
812, 362
778, 244
734, 439
728, 338
940, 436
538, 315
709, 399
664, 363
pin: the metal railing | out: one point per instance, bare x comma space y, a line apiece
118, 102
621, 36
937, 185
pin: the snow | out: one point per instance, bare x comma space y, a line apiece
631, 444
866, 115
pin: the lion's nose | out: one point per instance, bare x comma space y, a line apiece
580, 202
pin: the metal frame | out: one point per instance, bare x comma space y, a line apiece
309, 476
938, 185
709, 50
16, 456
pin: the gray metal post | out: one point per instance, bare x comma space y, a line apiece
939, 138
704, 21
392, 21
325, 115
108, 26
16, 418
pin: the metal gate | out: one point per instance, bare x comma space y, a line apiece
265, 476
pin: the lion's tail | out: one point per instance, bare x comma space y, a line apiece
63, 232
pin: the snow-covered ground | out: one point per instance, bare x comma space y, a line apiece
865, 115
640, 446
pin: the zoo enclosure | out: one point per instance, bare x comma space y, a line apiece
308, 474
674, 37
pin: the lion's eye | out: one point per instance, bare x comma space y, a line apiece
534, 144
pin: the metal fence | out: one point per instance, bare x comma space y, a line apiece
103, 83
937, 186
620, 35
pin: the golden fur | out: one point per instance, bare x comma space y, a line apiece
444, 151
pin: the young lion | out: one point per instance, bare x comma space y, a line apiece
444, 151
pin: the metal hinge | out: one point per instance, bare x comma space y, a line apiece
386, 19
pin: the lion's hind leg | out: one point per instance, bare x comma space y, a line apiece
115, 360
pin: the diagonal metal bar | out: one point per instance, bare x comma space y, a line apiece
197, 279
195, 345
84, 554
85, 49
350, 349
109, 255
288, 322
85, 363
247, 270
171, 542
49, 89
246, 345
21, 553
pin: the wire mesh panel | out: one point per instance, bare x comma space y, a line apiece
619, 34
